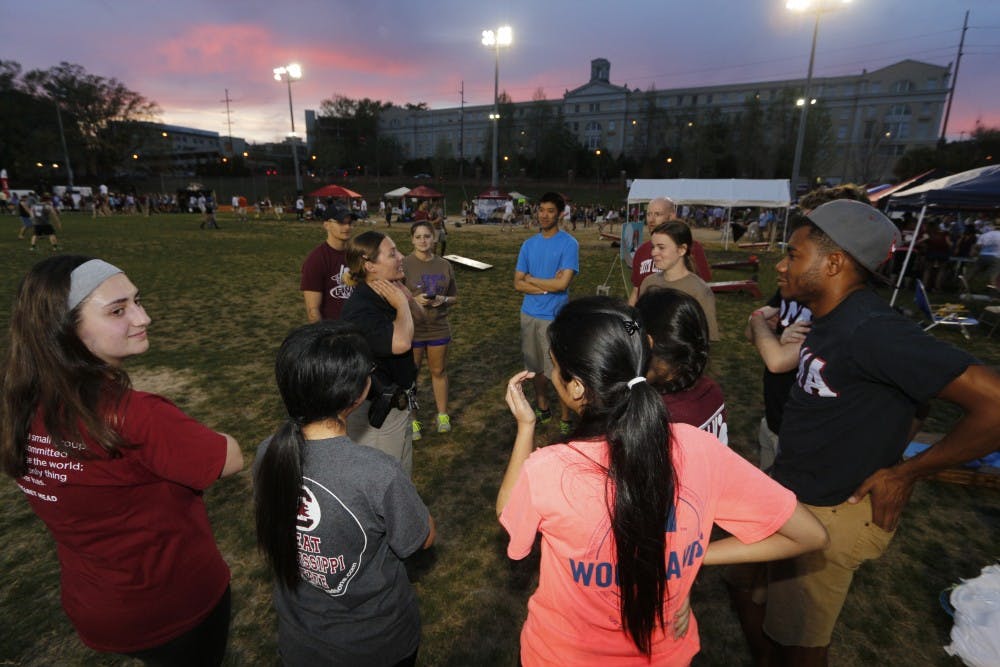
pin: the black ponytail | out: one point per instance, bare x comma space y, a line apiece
677, 323
321, 370
277, 486
600, 341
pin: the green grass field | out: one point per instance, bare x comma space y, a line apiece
221, 302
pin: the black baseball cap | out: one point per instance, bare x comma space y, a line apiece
340, 213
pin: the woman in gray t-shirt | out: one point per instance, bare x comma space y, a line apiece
334, 518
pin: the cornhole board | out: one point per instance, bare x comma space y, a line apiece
759, 244
749, 286
471, 263
611, 237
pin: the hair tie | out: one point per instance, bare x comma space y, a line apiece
636, 380
631, 326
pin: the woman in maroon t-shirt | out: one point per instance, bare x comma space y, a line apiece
117, 475
678, 333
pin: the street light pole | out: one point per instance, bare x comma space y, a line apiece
494, 176
805, 5
290, 72
502, 37
62, 137
801, 139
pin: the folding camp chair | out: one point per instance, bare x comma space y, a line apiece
948, 314
990, 315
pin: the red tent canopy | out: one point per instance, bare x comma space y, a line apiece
335, 191
424, 192
493, 193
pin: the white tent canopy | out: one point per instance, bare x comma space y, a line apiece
727, 192
397, 193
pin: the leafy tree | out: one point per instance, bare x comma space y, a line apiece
347, 135
28, 133
99, 110
751, 139
981, 149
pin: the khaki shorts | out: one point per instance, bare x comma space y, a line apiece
805, 594
395, 437
535, 345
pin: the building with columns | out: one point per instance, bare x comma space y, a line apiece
875, 116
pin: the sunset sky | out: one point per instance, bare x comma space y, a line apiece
184, 54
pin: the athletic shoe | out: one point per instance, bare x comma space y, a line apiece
33, 249
416, 429
444, 423
565, 427
543, 416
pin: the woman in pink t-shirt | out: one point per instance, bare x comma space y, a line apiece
626, 507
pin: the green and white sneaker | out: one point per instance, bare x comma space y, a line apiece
444, 423
543, 416
416, 429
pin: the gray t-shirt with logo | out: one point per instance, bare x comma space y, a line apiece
359, 515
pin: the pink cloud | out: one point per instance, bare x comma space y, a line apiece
239, 48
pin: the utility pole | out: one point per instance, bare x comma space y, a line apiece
954, 80
229, 123
461, 135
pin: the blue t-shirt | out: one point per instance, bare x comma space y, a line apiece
543, 258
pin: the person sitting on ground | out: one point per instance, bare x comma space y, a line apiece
625, 507
678, 335
335, 519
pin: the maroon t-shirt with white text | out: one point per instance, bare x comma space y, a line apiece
138, 562
701, 405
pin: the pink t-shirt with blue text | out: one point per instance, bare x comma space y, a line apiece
573, 616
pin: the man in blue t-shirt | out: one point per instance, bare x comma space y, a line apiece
546, 265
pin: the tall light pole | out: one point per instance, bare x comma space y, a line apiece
292, 72
806, 101
502, 37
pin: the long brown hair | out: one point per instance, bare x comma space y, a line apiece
48, 368
363, 248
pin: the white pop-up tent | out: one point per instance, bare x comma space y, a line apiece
398, 193
727, 193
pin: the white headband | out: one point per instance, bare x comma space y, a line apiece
86, 278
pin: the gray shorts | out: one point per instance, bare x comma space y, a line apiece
535, 345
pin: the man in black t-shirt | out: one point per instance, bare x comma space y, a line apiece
777, 331
864, 371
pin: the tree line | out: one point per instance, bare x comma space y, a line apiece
43, 108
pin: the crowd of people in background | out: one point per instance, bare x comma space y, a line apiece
624, 503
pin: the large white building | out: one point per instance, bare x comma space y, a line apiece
875, 116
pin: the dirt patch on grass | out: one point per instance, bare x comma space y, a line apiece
179, 385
